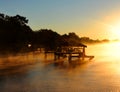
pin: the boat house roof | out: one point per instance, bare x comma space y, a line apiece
74, 45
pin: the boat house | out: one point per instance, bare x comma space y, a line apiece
70, 52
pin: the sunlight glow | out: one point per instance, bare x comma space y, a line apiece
113, 50
115, 30
107, 52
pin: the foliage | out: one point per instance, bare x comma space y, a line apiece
14, 32
46, 38
17, 36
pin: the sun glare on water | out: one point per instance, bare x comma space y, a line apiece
106, 52
113, 49
113, 56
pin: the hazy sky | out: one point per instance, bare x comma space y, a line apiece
93, 18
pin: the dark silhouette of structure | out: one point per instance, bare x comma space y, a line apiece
16, 36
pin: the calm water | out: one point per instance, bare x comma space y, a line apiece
34, 73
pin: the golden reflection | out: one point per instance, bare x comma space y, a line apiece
107, 57
113, 49
110, 50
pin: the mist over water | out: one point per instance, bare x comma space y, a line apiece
32, 72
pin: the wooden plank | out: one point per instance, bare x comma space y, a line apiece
90, 57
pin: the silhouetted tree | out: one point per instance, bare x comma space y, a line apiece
14, 32
46, 38
15, 35
71, 39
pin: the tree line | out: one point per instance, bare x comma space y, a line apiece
16, 36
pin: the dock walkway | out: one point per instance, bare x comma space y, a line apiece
70, 52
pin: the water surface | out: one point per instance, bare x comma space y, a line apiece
34, 73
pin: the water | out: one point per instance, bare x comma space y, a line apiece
34, 73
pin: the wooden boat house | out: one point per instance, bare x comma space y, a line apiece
72, 52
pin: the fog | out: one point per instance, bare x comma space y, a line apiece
32, 72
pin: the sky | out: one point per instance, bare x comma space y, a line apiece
97, 19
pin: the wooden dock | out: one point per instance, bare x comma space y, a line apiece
70, 53
80, 55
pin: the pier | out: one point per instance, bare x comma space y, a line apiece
70, 52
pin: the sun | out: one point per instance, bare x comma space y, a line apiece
115, 30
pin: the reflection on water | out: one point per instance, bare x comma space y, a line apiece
34, 73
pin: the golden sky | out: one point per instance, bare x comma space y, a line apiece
97, 19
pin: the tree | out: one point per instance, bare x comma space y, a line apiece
14, 32
46, 38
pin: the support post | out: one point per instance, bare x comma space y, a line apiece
69, 57
55, 56
83, 53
